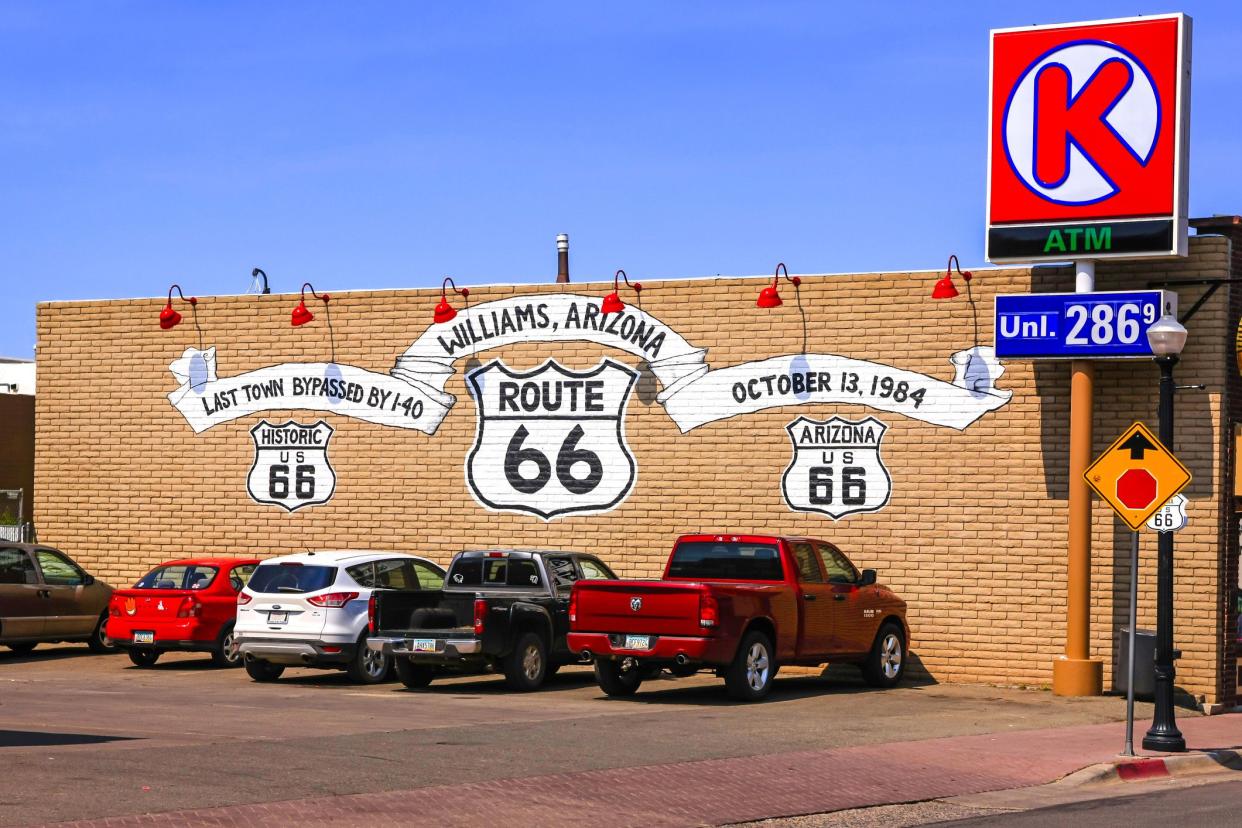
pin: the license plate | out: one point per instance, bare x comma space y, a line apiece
423, 645
277, 617
144, 637
637, 642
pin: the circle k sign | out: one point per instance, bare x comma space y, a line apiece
1088, 123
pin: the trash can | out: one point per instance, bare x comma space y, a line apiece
1144, 661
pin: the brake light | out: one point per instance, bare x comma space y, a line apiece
243, 598
190, 607
371, 625
480, 615
709, 610
336, 600
114, 607
573, 606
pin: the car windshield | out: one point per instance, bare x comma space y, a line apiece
178, 576
291, 577
716, 560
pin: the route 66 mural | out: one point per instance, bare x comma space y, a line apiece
551, 441
547, 455
836, 468
291, 468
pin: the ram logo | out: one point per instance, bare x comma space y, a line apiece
636, 604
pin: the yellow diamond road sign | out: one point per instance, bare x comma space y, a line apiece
1137, 475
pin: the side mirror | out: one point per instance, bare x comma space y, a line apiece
87, 580
868, 577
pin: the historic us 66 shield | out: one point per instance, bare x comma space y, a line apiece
836, 467
291, 467
551, 441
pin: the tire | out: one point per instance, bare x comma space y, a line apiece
225, 652
749, 677
98, 642
367, 666
260, 670
24, 647
414, 676
618, 678
886, 663
144, 658
527, 666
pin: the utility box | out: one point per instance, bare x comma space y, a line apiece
1144, 661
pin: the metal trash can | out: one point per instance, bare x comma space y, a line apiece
1144, 661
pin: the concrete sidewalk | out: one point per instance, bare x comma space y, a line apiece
722, 790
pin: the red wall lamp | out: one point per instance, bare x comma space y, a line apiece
612, 302
769, 297
444, 311
301, 314
945, 289
169, 318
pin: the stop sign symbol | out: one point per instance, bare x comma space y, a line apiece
1136, 489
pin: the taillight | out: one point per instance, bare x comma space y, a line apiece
371, 626
480, 615
709, 610
190, 607
114, 608
243, 598
573, 606
336, 600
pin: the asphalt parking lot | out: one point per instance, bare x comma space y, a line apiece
85, 736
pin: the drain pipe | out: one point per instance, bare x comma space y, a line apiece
562, 259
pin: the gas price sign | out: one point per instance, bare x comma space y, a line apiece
1079, 325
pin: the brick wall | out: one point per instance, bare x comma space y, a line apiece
17, 437
973, 536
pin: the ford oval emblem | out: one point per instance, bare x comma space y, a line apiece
636, 604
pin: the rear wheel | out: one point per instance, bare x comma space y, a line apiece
749, 677
226, 652
98, 642
24, 647
144, 658
527, 666
367, 666
618, 677
413, 676
886, 663
263, 670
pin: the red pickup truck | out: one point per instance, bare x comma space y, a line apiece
741, 605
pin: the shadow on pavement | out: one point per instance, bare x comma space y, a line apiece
53, 654
34, 738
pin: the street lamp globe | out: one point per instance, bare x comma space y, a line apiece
1167, 336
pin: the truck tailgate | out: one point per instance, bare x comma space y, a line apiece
652, 607
401, 612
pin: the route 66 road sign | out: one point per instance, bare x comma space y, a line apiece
291, 468
836, 467
1170, 517
551, 441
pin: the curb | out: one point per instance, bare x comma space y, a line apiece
1138, 769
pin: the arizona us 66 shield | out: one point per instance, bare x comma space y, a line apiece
836, 468
551, 441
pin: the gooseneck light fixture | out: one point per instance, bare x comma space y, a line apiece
444, 311
169, 318
945, 289
770, 297
302, 314
612, 302
257, 274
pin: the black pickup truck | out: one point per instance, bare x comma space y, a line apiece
503, 610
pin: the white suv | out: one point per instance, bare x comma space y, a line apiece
310, 610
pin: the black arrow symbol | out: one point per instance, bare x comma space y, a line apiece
1137, 444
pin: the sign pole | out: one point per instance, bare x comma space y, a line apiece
1134, 555
1075, 674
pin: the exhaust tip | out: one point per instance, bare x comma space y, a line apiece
585, 655
681, 660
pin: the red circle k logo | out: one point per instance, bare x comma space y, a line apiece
1081, 117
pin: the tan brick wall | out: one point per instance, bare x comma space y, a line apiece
973, 537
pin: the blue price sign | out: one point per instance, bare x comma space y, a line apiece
1078, 325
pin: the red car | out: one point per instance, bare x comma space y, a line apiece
187, 605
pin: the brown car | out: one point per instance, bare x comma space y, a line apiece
44, 597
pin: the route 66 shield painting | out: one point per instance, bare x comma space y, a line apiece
551, 441
291, 468
836, 467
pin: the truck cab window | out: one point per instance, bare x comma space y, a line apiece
562, 571
808, 568
839, 569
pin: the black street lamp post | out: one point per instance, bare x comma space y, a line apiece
1167, 338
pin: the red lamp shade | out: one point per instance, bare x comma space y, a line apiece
944, 289
169, 318
301, 314
769, 298
444, 311
612, 303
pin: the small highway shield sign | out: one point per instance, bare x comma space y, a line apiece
1137, 475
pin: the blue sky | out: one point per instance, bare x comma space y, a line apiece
387, 145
